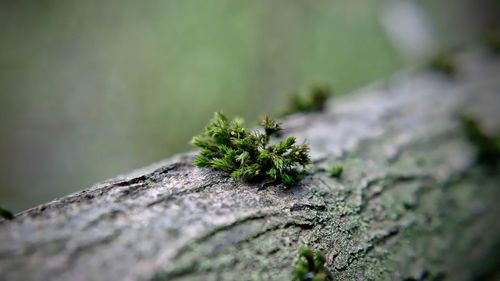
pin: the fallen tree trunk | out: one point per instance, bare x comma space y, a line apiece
411, 204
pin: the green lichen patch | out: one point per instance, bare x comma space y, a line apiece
6, 214
311, 266
488, 146
314, 100
229, 147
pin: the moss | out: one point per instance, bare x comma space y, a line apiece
488, 146
311, 266
314, 100
421, 161
336, 171
492, 40
444, 63
229, 147
6, 214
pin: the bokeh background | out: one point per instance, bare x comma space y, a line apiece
90, 89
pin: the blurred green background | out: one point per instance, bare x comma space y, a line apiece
90, 89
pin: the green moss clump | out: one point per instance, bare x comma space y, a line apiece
488, 146
315, 99
311, 266
492, 40
336, 171
229, 147
6, 214
444, 63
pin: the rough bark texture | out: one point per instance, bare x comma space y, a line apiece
411, 204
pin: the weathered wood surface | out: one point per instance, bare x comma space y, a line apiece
411, 204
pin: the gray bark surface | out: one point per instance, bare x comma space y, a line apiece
411, 204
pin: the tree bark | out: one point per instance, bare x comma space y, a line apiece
411, 204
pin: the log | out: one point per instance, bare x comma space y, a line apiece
412, 203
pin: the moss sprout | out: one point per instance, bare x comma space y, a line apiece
314, 100
229, 147
336, 171
6, 214
492, 40
421, 161
311, 266
488, 146
444, 63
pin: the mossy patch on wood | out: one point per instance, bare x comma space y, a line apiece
311, 266
314, 100
444, 63
336, 171
229, 147
6, 214
492, 40
488, 146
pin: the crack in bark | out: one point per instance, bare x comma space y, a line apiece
171, 196
112, 214
387, 181
82, 248
154, 177
305, 206
222, 228
193, 266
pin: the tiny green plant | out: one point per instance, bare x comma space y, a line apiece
315, 99
336, 171
444, 63
311, 266
488, 146
229, 147
6, 214
492, 40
